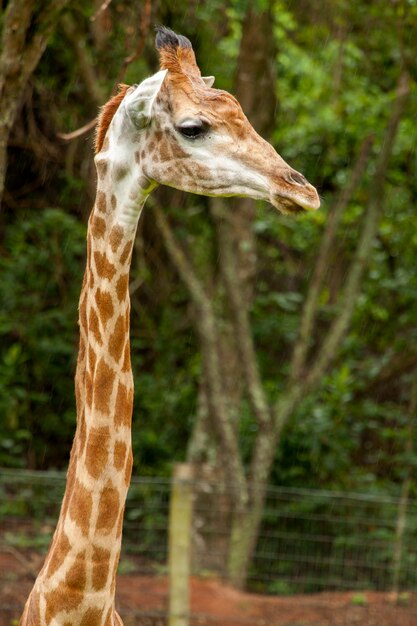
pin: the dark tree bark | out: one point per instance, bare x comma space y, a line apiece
26, 30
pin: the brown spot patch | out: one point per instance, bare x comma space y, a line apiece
92, 359
124, 406
105, 269
127, 251
113, 201
121, 172
104, 306
60, 600
102, 166
118, 338
92, 617
165, 153
80, 506
76, 577
81, 350
101, 567
96, 456
177, 151
94, 326
88, 258
98, 227
122, 286
120, 524
120, 450
102, 386
128, 468
101, 202
137, 156
108, 509
116, 237
59, 551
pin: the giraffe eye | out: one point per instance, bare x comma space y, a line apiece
192, 129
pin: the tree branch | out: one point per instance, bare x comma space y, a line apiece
399, 364
144, 27
309, 311
241, 326
85, 61
19, 58
206, 325
103, 7
340, 325
143, 33
45, 22
16, 23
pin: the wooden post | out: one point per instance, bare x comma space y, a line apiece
180, 529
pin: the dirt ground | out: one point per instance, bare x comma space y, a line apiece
143, 601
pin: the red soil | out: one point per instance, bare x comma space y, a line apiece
143, 601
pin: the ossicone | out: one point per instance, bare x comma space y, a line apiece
166, 38
176, 53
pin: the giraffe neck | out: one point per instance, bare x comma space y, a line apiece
77, 582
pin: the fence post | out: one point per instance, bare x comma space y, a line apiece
180, 531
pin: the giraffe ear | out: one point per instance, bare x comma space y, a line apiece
139, 100
209, 80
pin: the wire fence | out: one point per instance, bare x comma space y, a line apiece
309, 540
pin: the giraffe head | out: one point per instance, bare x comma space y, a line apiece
175, 129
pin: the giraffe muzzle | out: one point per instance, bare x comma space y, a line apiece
292, 193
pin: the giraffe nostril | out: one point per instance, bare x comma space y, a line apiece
296, 177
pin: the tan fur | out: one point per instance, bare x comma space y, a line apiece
179, 61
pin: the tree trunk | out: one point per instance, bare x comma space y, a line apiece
405, 489
24, 37
238, 258
246, 527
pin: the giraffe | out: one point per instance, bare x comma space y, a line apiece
173, 129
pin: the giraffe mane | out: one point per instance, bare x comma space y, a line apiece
106, 115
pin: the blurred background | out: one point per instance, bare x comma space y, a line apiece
298, 332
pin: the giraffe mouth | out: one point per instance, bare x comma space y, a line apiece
289, 206
292, 193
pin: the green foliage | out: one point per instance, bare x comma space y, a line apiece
337, 67
41, 269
